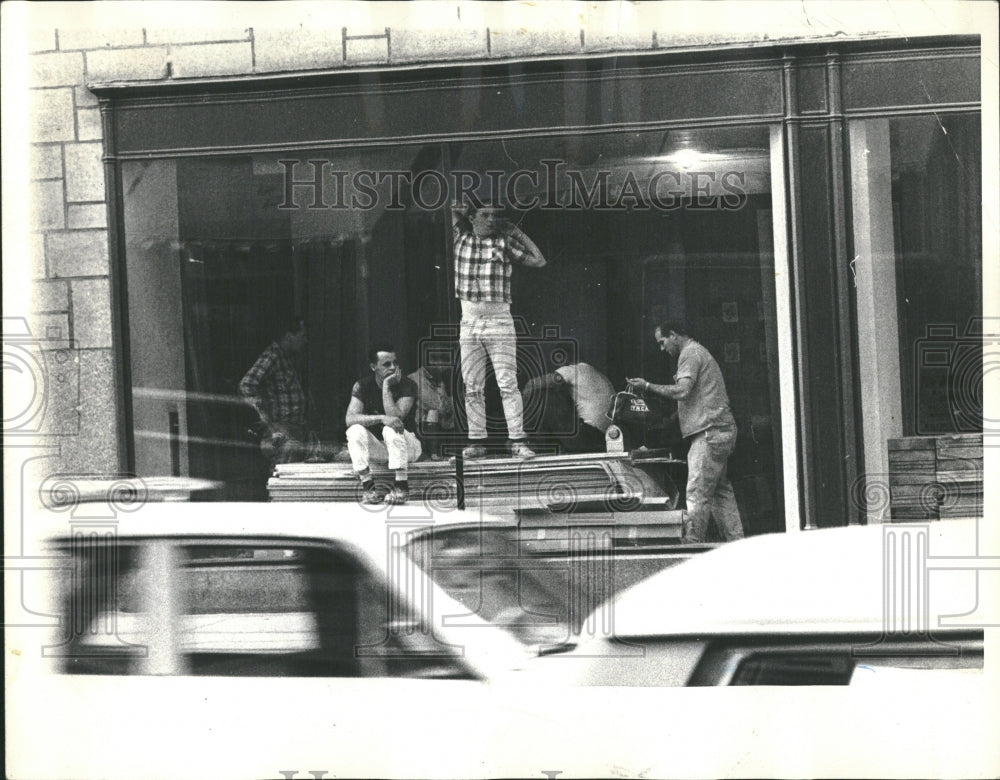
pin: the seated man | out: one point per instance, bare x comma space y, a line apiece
435, 406
380, 425
570, 404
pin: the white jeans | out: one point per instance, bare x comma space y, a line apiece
490, 338
398, 449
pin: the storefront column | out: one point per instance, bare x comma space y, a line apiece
794, 211
844, 286
875, 276
784, 387
119, 296
821, 286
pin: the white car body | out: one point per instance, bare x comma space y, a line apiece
861, 602
520, 716
160, 719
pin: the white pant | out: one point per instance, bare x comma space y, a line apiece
490, 338
398, 449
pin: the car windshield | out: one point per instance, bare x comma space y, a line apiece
516, 579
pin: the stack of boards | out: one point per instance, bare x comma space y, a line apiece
934, 477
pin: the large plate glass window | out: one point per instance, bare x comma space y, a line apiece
638, 227
917, 218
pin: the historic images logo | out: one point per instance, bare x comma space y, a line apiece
537, 356
316, 184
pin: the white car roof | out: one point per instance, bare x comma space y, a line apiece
338, 521
820, 581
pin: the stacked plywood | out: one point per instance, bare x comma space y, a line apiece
932, 477
337, 481
959, 472
558, 481
912, 491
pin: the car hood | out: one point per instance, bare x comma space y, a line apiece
862, 579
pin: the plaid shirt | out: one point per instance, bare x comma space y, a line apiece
272, 386
483, 265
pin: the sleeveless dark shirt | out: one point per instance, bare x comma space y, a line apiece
370, 393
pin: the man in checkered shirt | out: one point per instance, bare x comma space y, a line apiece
487, 247
273, 388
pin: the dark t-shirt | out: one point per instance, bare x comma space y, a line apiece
370, 394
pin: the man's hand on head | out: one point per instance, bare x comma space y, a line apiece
393, 379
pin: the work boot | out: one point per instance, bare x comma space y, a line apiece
474, 452
520, 450
372, 496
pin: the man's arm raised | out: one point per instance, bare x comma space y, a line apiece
534, 257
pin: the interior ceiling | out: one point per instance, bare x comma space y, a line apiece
590, 150
642, 155
716, 152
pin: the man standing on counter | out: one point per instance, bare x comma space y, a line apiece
705, 419
487, 247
